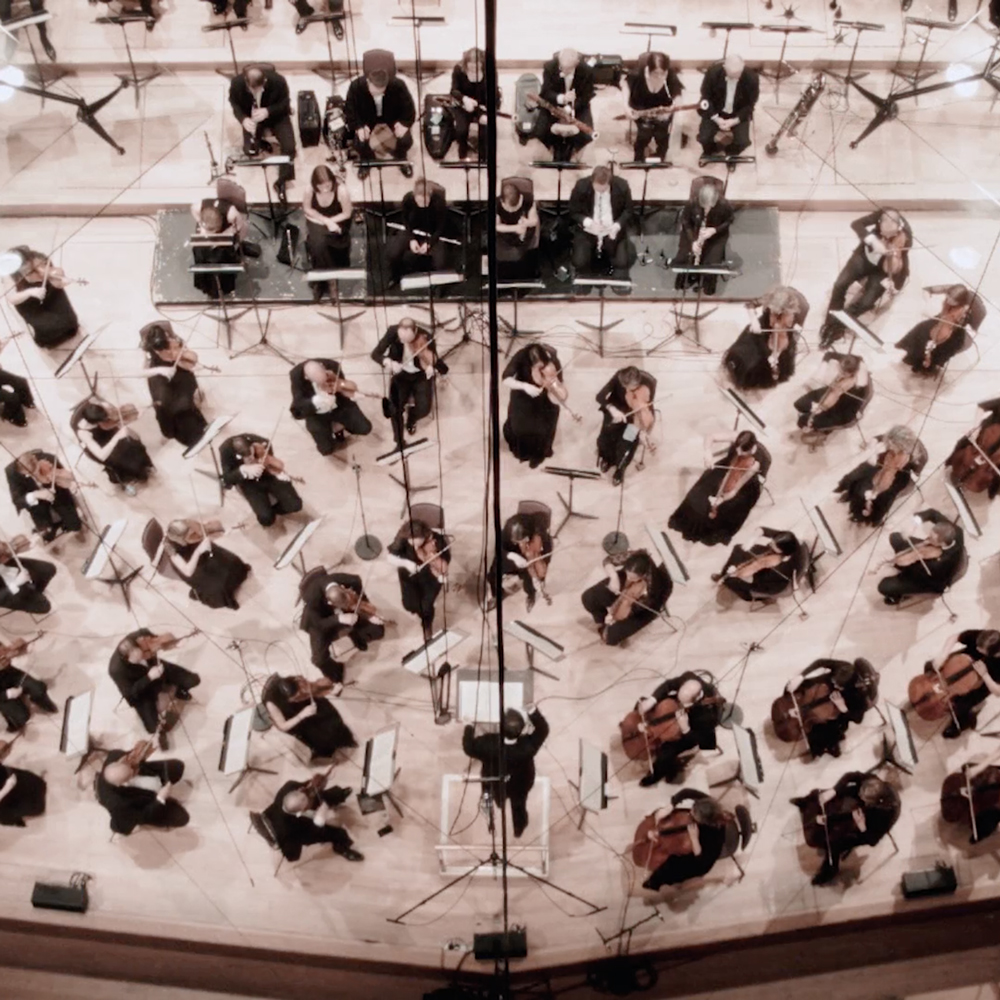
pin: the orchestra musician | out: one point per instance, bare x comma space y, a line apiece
172, 384
729, 93
679, 717
926, 565
970, 797
534, 376
22, 793
305, 10
36, 7
932, 343
213, 573
518, 229
860, 809
261, 103
409, 353
764, 570
703, 224
846, 389
23, 581
718, 504
223, 213
147, 7
652, 89
380, 113
324, 399
15, 398
627, 416
601, 209
634, 592
239, 7
42, 486
302, 813
468, 88
248, 463
568, 83
526, 550
764, 353
104, 434
880, 262
682, 843
213, 221
125, 786
149, 684
19, 691
421, 555
329, 213
418, 247
299, 707
39, 296
871, 488
821, 702
974, 463
516, 780
333, 605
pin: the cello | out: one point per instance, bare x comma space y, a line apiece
644, 734
733, 481
931, 692
975, 466
795, 713
658, 838
965, 796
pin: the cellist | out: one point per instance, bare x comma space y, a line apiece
983, 647
974, 464
628, 417
971, 796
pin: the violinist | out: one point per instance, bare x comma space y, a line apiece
703, 224
15, 398
147, 683
249, 464
324, 399
40, 485
172, 384
299, 707
678, 718
820, 703
860, 809
568, 83
23, 581
682, 843
136, 791
535, 379
520, 745
103, 432
22, 793
601, 209
729, 94
302, 813
333, 605
652, 89
213, 573
970, 797
932, 343
764, 570
871, 488
525, 548
718, 504
469, 90
764, 353
633, 593
409, 354
880, 262
418, 246
19, 691
421, 555
846, 388
974, 463
627, 417
926, 563
39, 296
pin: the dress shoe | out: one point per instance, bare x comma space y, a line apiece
338, 30
301, 26
281, 191
406, 170
825, 875
616, 479
648, 780
952, 9
45, 703
50, 50
161, 740
182, 694
603, 465
363, 171
349, 854
317, 291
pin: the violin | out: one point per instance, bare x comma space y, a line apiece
346, 599
17, 648
118, 416
533, 550
121, 771
260, 454
950, 319
838, 387
631, 594
307, 690
746, 571
890, 464
423, 353
430, 555
931, 691
974, 466
49, 474
198, 531
779, 338
895, 246
14, 547
139, 754
736, 473
640, 407
37, 269
152, 645
964, 798
795, 713
175, 353
548, 375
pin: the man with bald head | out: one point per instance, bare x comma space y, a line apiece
729, 94
262, 104
568, 83
329, 415
299, 815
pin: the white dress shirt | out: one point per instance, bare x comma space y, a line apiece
731, 85
603, 219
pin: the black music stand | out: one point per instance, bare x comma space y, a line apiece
651, 31
600, 327
430, 280
572, 475
335, 277
512, 330
783, 69
402, 453
276, 216
557, 211
418, 21
118, 579
123, 20
698, 315
381, 212
728, 27
732, 161
227, 26
918, 74
859, 27
645, 166
328, 20
468, 213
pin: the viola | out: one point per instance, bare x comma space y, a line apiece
198, 531
49, 475
890, 464
747, 570
16, 545
532, 549
121, 771
306, 690
640, 407
346, 599
175, 353
151, 645
893, 260
831, 396
118, 416
735, 474
956, 804
795, 713
548, 375
974, 465
658, 839
260, 454
778, 338
931, 691
631, 594
430, 554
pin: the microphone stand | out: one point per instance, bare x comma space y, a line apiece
123, 20
227, 26
616, 542
367, 546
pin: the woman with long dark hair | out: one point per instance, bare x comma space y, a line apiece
328, 211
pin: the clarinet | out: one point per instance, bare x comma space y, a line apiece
799, 113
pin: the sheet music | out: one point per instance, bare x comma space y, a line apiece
98, 559
668, 555
479, 699
75, 739
737, 400
440, 644
210, 433
415, 282
593, 776
906, 752
751, 771
858, 329
236, 742
826, 535
78, 352
380, 761
394, 456
296, 545
546, 646
338, 274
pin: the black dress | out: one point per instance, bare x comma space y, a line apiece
328, 250
691, 518
511, 249
618, 441
129, 462
748, 360
530, 428
51, 321
843, 412
324, 733
853, 486
15, 398
26, 798
914, 343
217, 577
177, 412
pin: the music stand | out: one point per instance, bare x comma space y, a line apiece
651, 31
328, 21
74, 738
917, 75
823, 530
15, 24
728, 27
123, 20
76, 356
227, 26
783, 70
293, 550
427, 281
205, 441
751, 772
479, 694
234, 757
103, 556
379, 773
731, 162
559, 166
858, 330
859, 27
274, 215
335, 277
903, 754
572, 475
698, 315
421, 661
468, 212
534, 640
600, 328
743, 409
668, 555
381, 212
512, 329
402, 453
968, 519
645, 166
592, 775
224, 316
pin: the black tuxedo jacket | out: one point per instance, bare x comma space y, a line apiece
397, 105
303, 390
713, 93
553, 85
21, 484
581, 201
392, 347
317, 614
275, 97
231, 462
520, 754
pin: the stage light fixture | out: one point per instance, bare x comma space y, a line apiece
10, 261
965, 258
959, 71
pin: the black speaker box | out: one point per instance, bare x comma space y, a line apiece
937, 881
310, 122
492, 947
60, 897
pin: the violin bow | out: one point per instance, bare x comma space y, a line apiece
427, 562
986, 457
968, 792
917, 554
826, 827
944, 689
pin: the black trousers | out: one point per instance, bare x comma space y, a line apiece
647, 132
174, 676
16, 713
610, 256
269, 496
239, 7
516, 794
284, 132
419, 594
362, 633
706, 136
59, 515
597, 600
563, 147
347, 415
463, 125
857, 268
402, 260
913, 580
612, 446
36, 6
411, 398
31, 597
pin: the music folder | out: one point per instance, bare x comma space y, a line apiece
440, 644
751, 769
74, 740
210, 434
668, 555
905, 753
236, 734
296, 545
98, 559
858, 329
546, 646
732, 396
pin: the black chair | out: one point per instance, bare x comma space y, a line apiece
159, 558
739, 830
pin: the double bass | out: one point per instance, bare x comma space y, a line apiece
975, 466
931, 691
